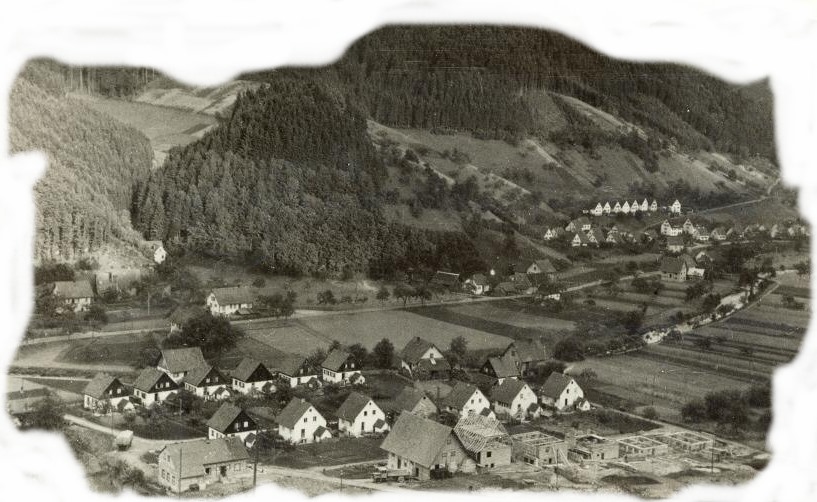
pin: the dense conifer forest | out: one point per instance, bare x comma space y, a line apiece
94, 163
289, 182
475, 78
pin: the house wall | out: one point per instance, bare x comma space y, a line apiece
150, 398
337, 376
475, 404
304, 429
296, 381
78, 304
205, 391
494, 455
364, 422
166, 475
159, 255
247, 387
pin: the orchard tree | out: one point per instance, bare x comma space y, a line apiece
383, 353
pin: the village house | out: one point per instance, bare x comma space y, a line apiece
645, 206
522, 283
595, 236
580, 224
485, 439
252, 375
675, 244
500, 368
666, 227
413, 401
359, 415
561, 392
295, 371
701, 233
718, 234
339, 367
424, 449
689, 227
649, 235
673, 269
693, 271
156, 251
534, 447
634, 207
477, 284
616, 208
153, 386
77, 295
207, 382
526, 354
598, 210
612, 238
553, 233
675, 208
447, 281
300, 422
200, 463
231, 421
422, 359
542, 266
182, 314
625, 208
607, 208
654, 206
775, 231
579, 240
104, 392
177, 362
229, 301
591, 448
464, 399
515, 398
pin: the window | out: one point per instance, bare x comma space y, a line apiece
365, 413
305, 419
488, 455
246, 424
314, 419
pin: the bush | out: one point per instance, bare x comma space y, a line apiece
649, 413
569, 350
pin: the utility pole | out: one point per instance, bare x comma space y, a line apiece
712, 457
179, 492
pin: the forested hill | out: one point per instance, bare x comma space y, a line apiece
94, 162
288, 182
476, 78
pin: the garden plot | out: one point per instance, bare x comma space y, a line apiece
292, 337
495, 311
757, 340
368, 328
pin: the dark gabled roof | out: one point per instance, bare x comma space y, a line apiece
202, 452
417, 439
690, 261
459, 395
293, 412
528, 351
445, 278
183, 359
335, 359
154, 245
352, 406
224, 416
73, 289
291, 365
672, 265
234, 295
520, 279
148, 378
507, 390
555, 385
545, 266
245, 369
408, 399
96, 388
415, 349
439, 364
503, 367
479, 279
197, 375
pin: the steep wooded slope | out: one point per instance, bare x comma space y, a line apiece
94, 162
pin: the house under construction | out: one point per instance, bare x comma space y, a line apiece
539, 449
592, 448
485, 439
641, 445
